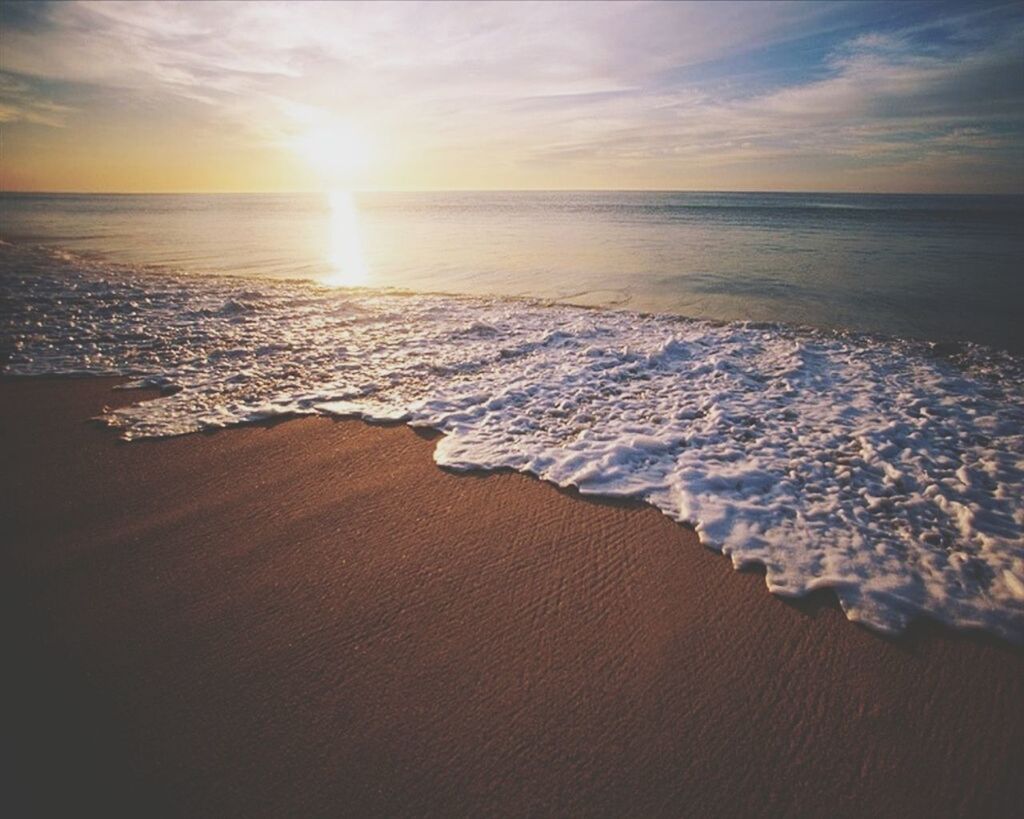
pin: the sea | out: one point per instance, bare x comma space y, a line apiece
830, 386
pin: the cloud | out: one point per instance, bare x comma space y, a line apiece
604, 87
884, 96
20, 102
435, 51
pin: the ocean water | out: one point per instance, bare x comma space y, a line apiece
932, 267
888, 467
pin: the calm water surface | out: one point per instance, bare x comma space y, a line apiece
937, 267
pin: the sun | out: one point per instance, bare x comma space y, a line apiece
336, 150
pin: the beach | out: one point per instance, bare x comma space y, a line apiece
310, 617
482, 410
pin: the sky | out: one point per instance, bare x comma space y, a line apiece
276, 96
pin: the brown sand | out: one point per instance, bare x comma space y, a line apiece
311, 618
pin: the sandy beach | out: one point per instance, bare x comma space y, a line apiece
311, 618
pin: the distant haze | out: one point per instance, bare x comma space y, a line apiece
917, 97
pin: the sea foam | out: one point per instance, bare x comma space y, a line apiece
888, 470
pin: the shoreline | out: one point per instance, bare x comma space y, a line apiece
309, 616
908, 336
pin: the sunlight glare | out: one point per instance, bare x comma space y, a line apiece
345, 247
336, 151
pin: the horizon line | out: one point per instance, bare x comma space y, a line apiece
309, 192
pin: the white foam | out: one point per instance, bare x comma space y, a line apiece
880, 468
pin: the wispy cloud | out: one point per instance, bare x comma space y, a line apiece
20, 102
616, 93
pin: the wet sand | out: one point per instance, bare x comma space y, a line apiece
310, 618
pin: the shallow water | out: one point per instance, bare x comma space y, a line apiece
890, 470
932, 267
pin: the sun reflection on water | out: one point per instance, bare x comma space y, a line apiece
345, 247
